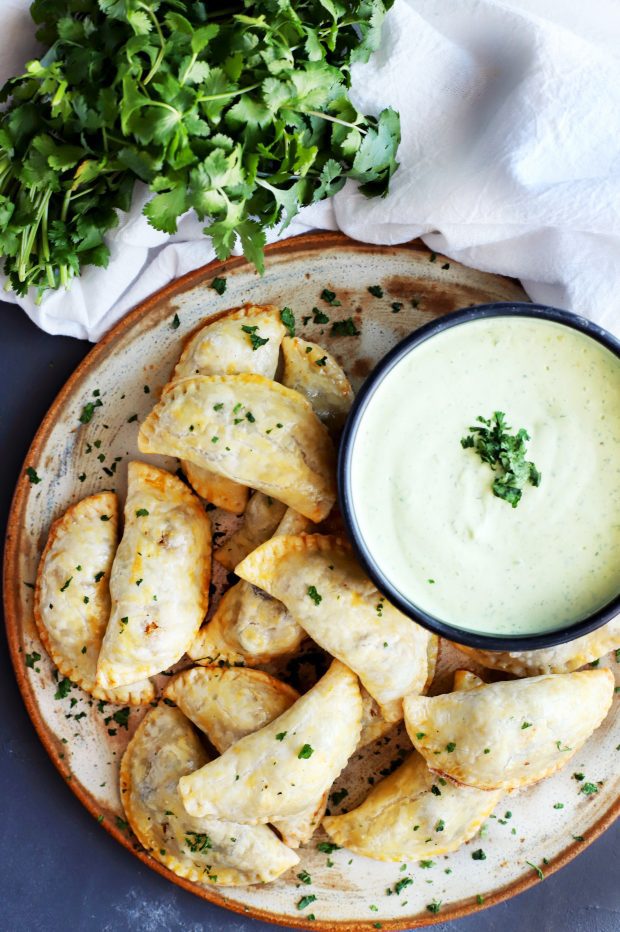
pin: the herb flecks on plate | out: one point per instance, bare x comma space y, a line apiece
241, 114
505, 453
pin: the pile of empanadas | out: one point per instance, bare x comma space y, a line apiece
231, 772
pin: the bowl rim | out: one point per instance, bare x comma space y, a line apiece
454, 633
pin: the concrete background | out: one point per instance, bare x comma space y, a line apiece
59, 871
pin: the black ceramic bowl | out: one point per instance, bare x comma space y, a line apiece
381, 580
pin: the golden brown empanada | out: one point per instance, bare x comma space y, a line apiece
312, 371
562, 658
328, 595
160, 577
260, 520
412, 814
163, 749
509, 734
243, 340
273, 773
72, 596
249, 429
233, 343
229, 703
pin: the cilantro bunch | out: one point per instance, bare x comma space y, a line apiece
239, 111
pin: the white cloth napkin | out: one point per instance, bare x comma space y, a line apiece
510, 158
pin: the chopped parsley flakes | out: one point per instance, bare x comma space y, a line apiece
306, 752
256, 341
219, 285
33, 478
306, 900
288, 319
314, 595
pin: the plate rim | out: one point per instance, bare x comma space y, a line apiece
306, 242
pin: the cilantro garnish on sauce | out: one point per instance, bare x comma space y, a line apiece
505, 453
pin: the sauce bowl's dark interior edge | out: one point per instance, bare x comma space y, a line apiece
345, 497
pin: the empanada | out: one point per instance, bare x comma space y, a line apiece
233, 343
249, 429
160, 578
163, 749
273, 773
218, 490
329, 596
509, 734
412, 815
216, 642
260, 519
243, 340
72, 596
312, 371
562, 658
229, 703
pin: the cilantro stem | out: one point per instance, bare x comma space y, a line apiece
162, 44
326, 116
242, 90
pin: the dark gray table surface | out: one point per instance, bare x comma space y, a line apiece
60, 871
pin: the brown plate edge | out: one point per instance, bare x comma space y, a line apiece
304, 243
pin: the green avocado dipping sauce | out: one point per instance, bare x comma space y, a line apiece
485, 475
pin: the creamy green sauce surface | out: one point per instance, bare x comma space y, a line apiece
425, 505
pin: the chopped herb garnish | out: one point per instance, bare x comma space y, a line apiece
88, 410
526, 725
197, 842
450, 746
32, 658
426, 864
306, 752
33, 478
104, 517
99, 576
218, 406
345, 328
64, 688
558, 745
321, 362
434, 907
478, 855
558, 805
376, 291
66, 584
281, 736
396, 307
176, 323
124, 622
541, 876
318, 317
141, 513
479, 899
255, 340
401, 884
327, 847
314, 595
588, 789
330, 297
219, 285
440, 825
306, 900
420, 735
435, 790
578, 837
288, 319
579, 776
305, 877
504, 453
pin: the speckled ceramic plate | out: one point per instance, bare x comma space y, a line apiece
86, 741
